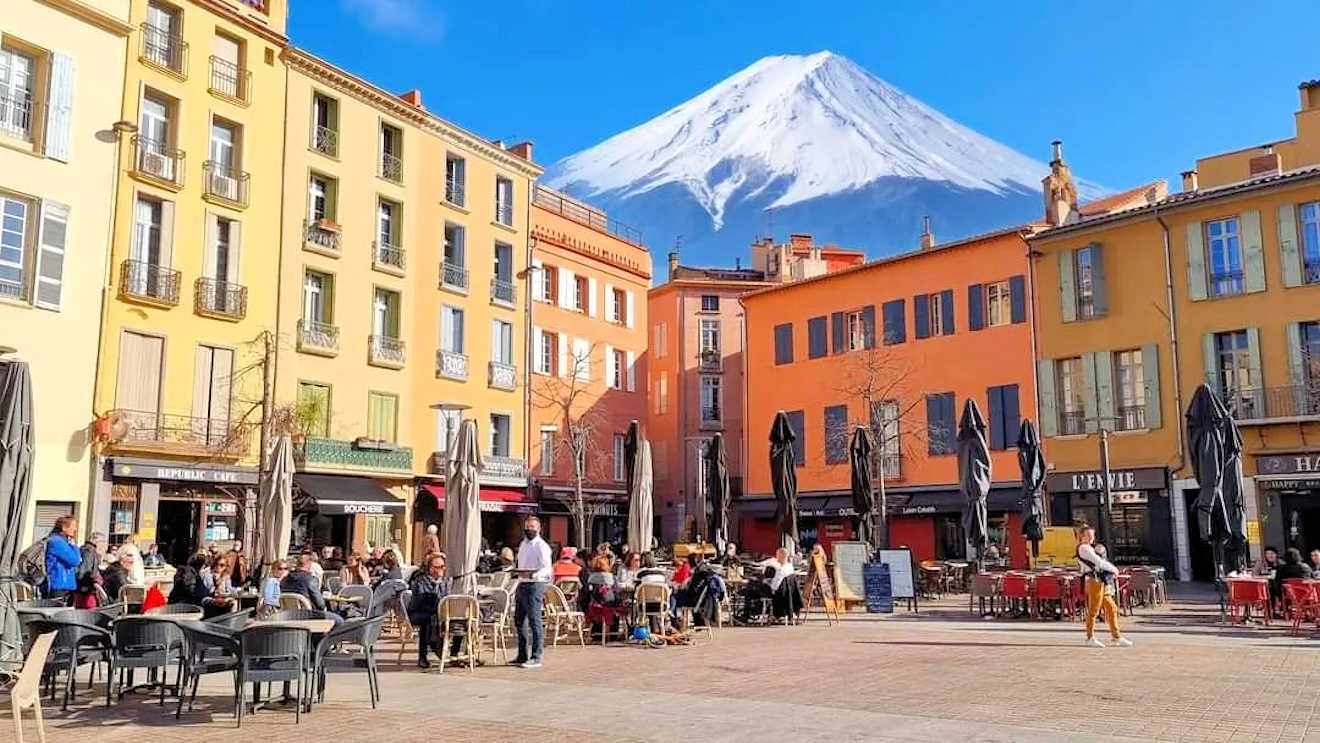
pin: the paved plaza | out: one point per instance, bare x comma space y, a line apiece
942, 676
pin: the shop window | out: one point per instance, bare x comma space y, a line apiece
123, 513
221, 521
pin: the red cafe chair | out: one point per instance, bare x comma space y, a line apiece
1051, 588
1300, 602
1017, 587
1248, 594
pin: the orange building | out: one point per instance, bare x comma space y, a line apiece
588, 324
897, 345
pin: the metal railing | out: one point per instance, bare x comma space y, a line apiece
391, 167
1226, 284
497, 467
11, 289
384, 255
710, 360
225, 183
149, 281
230, 80
318, 236
1130, 417
710, 414
318, 336
216, 435
504, 213
1072, 422
453, 275
1311, 272
590, 217
17, 112
1293, 401
158, 161
325, 141
451, 365
385, 349
164, 49
216, 297
454, 190
503, 291
892, 464
502, 376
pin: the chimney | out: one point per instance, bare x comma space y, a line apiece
1267, 164
737, 263
523, 150
498, 143
673, 264
1310, 91
412, 97
1059, 190
927, 237
1190, 183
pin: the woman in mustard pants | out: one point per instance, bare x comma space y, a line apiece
1100, 576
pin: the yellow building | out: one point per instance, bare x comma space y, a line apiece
61, 90
191, 289
1217, 284
404, 238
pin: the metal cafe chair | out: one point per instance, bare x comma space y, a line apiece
145, 642
81, 639
363, 632
209, 647
462, 610
272, 652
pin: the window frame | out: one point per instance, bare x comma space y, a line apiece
1130, 389
547, 444
713, 306
714, 401
618, 449
1070, 385
1309, 241
1084, 280
1003, 298
329, 404
26, 245
495, 431
33, 95
1231, 248
620, 360
710, 332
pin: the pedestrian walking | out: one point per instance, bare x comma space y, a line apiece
534, 567
1101, 577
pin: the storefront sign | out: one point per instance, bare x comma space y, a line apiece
607, 509
1145, 478
916, 510
1290, 483
1288, 464
147, 470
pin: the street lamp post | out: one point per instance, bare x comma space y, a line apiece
1106, 494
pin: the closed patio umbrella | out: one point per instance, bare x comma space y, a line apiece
630, 441
1234, 501
717, 490
974, 479
1031, 459
15, 481
859, 459
277, 504
463, 509
783, 479
641, 509
1209, 428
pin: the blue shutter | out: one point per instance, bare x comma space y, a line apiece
1017, 295
995, 397
1099, 289
950, 424
1012, 414
933, 436
921, 315
946, 314
975, 307
836, 434
59, 115
816, 341
895, 322
868, 326
836, 326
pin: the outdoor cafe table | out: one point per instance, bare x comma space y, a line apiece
191, 616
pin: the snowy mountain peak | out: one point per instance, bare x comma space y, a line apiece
789, 129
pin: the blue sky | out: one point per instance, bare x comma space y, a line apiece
1136, 90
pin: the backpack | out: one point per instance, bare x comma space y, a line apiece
31, 563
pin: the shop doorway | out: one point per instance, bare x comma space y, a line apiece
176, 529
1199, 551
950, 539
1301, 522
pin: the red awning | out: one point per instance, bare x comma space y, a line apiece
493, 500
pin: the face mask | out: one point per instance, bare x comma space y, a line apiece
530, 533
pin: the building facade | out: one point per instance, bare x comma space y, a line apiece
60, 99
588, 347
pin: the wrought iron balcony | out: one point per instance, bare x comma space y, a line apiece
149, 282
711, 417
388, 258
152, 431
502, 376
451, 365
1131, 417
318, 337
710, 360
326, 141
1296, 401
1311, 271
503, 291
17, 112
391, 167
892, 463
230, 80
320, 237
453, 276
164, 49
225, 183
1072, 422
385, 350
504, 213
1226, 284
333, 454
499, 469
454, 190
156, 160
220, 299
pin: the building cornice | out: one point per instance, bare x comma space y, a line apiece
248, 21
94, 16
589, 250
364, 91
740, 286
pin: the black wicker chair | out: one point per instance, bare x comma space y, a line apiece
145, 642
271, 652
80, 640
209, 647
234, 620
363, 632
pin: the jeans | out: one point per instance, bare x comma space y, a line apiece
527, 620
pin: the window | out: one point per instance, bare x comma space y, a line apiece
1237, 378
1072, 415
155, 137
662, 394
316, 298
885, 426
1005, 416
620, 473
710, 336
998, 304
504, 201
213, 374
836, 434
453, 272
550, 284
224, 176
501, 342
138, 387
451, 329
227, 75
937, 325
325, 125
385, 314
547, 359
149, 254
784, 344
1130, 379
504, 264
581, 360
15, 237
499, 434
17, 99
382, 416
1310, 217
1085, 284
1224, 248
797, 422
391, 153
894, 313
940, 427
710, 303
455, 179
619, 306
618, 368
580, 293
313, 409
1309, 335
547, 452
162, 42
660, 340
321, 201
856, 338
710, 399
387, 223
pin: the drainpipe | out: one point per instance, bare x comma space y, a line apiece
1173, 338
527, 341
682, 380
746, 446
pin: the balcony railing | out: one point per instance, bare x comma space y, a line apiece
1295, 401
164, 49
451, 365
385, 350
453, 275
1072, 422
156, 160
454, 190
326, 141
893, 465
388, 257
318, 236
503, 291
391, 167
318, 337
710, 360
1226, 284
157, 284
502, 376
1311, 271
504, 213
220, 298
225, 183
1131, 417
334, 454
497, 468
711, 417
592, 218
230, 80
159, 431
17, 112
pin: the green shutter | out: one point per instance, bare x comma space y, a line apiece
1090, 413
1104, 389
1289, 254
1099, 290
1253, 349
1067, 286
1211, 361
1150, 374
1047, 398
1197, 286
1253, 253
1297, 368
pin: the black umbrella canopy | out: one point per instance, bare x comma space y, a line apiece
859, 459
1031, 460
1206, 417
1234, 500
717, 490
974, 476
630, 441
783, 478
16, 444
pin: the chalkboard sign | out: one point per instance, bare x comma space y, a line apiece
849, 557
823, 576
900, 572
879, 590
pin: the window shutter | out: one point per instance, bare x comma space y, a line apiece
1012, 416
50, 255
1091, 424
921, 316
868, 326
934, 416
995, 398
538, 349
1099, 290
1297, 369
816, 341
1150, 374
975, 306
1289, 255
1253, 351
235, 250
201, 394
631, 360
630, 306
561, 343
1197, 284
1068, 284
609, 365
59, 115
610, 314
538, 280
946, 313
167, 234
592, 307
895, 322
1104, 388
1047, 398
836, 328
567, 289
497, 343
1253, 253
836, 434
1211, 361
784, 343
1017, 298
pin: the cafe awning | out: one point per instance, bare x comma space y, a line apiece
493, 500
1002, 497
338, 494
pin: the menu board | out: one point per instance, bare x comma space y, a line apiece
900, 572
849, 557
822, 576
879, 588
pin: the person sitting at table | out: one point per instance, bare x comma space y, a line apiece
304, 582
1267, 564
140, 565
703, 592
190, 588
354, 573
428, 586
117, 575
270, 589
153, 558
1292, 567
625, 576
651, 572
784, 591
567, 566
684, 571
240, 571
600, 585
1315, 560
388, 567
335, 561
313, 565
507, 559
730, 556
222, 576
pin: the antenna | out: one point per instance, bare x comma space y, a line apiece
770, 222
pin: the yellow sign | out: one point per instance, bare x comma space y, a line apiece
1253, 531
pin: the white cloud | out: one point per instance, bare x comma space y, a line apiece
400, 17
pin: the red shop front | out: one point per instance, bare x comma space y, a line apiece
502, 514
929, 522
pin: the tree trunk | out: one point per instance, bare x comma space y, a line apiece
263, 455
580, 512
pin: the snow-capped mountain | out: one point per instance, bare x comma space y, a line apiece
804, 144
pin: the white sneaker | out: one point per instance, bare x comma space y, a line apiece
1093, 642
532, 664
1121, 642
